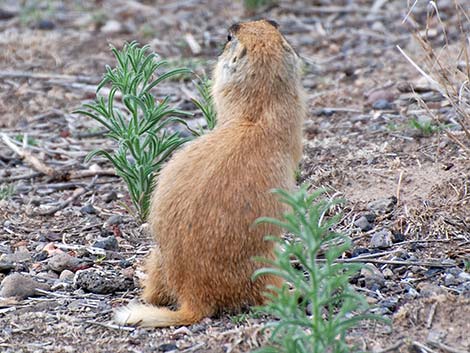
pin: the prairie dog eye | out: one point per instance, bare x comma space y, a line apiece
229, 37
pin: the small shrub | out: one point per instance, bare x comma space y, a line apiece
139, 127
320, 283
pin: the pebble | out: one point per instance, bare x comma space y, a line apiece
66, 276
18, 256
108, 243
114, 220
45, 25
111, 27
463, 277
100, 282
110, 196
88, 209
388, 273
384, 205
64, 261
382, 104
363, 223
6, 266
381, 239
167, 347
428, 290
373, 278
450, 280
21, 287
359, 251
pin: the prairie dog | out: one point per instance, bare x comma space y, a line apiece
211, 192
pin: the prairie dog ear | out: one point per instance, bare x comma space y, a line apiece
273, 23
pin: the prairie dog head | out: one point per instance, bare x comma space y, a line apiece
256, 61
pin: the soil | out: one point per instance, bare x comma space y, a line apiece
410, 186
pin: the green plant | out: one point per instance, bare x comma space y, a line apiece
139, 126
425, 128
320, 284
35, 11
255, 5
6, 191
206, 104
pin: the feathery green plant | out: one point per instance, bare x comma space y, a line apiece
320, 283
139, 127
206, 104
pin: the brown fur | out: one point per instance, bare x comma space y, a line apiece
211, 192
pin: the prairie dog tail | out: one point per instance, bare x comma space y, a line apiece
154, 316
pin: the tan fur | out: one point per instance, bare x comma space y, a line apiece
211, 192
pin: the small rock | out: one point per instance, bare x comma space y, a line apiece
398, 237
380, 95
363, 224
381, 239
384, 205
110, 196
382, 104
40, 256
390, 303
450, 280
167, 347
463, 277
428, 290
6, 15
373, 278
111, 27
6, 266
64, 261
22, 255
66, 276
124, 263
388, 273
45, 25
21, 287
359, 251
108, 243
96, 281
411, 294
88, 209
114, 220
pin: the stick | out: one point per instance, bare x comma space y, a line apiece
75, 195
445, 347
41, 167
399, 186
47, 76
28, 157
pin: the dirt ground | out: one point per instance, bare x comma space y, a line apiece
407, 188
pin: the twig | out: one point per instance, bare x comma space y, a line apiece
445, 347
431, 315
41, 167
318, 10
75, 195
28, 157
48, 76
111, 326
393, 262
399, 186
423, 347
20, 177
392, 348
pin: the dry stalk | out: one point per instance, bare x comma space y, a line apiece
441, 70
